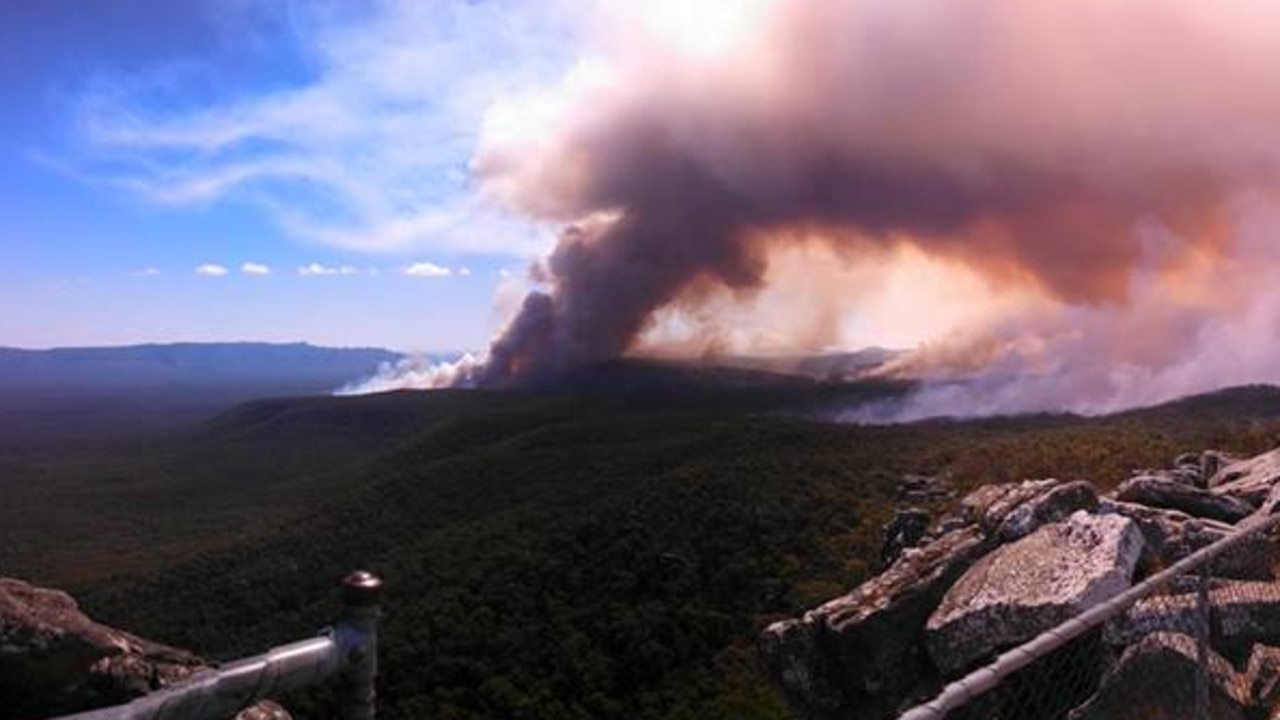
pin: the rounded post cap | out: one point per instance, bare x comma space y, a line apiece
361, 588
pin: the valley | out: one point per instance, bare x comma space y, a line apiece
549, 554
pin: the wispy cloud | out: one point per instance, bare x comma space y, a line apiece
372, 153
146, 272
252, 268
318, 270
211, 270
427, 270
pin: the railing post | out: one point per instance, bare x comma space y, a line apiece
1203, 628
357, 633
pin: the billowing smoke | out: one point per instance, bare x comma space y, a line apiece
1111, 164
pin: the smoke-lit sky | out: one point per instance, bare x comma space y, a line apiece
1068, 204
148, 145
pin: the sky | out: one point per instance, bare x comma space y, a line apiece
1073, 205
216, 170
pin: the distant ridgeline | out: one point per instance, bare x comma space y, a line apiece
199, 364
91, 395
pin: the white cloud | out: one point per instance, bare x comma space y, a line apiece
371, 154
318, 270
211, 270
146, 272
252, 268
464, 271
427, 270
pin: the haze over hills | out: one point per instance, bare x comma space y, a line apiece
190, 364
97, 394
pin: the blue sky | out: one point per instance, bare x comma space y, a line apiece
241, 170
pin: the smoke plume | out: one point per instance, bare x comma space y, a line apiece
1106, 167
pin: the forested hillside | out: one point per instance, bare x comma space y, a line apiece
552, 555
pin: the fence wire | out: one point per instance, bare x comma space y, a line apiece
1188, 643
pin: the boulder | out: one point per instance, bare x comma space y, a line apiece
1024, 588
1182, 472
1171, 535
924, 488
905, 530
1187, 458
1155, 679
1264, 468
1160, 492
859, 655
1053, 505
55, 660
1262, 675
988, 506
1244, 613
1212, 461
1187, 475
1012, 510
1253, 481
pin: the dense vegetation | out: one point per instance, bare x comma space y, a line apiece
548, 556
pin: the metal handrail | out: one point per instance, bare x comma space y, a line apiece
964, 690
346, 652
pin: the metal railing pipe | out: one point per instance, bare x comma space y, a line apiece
962, 691
346, 652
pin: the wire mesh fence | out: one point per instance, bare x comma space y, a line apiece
1190, 642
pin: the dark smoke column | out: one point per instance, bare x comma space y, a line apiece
1027, 140
607, 280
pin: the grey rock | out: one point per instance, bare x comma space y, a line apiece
1171, 535
1164, 493
1182, 473
1262, 675
1253, 481
905, 530
859, 655
923, 488
1053, 505
1244, 613
1013, 510
1156, 678
1212, 461
1264, 468
988, 506
1187, 475
1187, 458
55, 660
1026, 587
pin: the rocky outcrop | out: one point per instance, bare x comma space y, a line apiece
1262, 675
1013, 560
1171, 535
857, 655
905, 530
56, 660
924, 488
1054, 504
1244, 613
1156, 678
1264, 468
862, 654
1249, 481
989, 505
1009, 511
1029, 586
1212, 461
1159, 492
